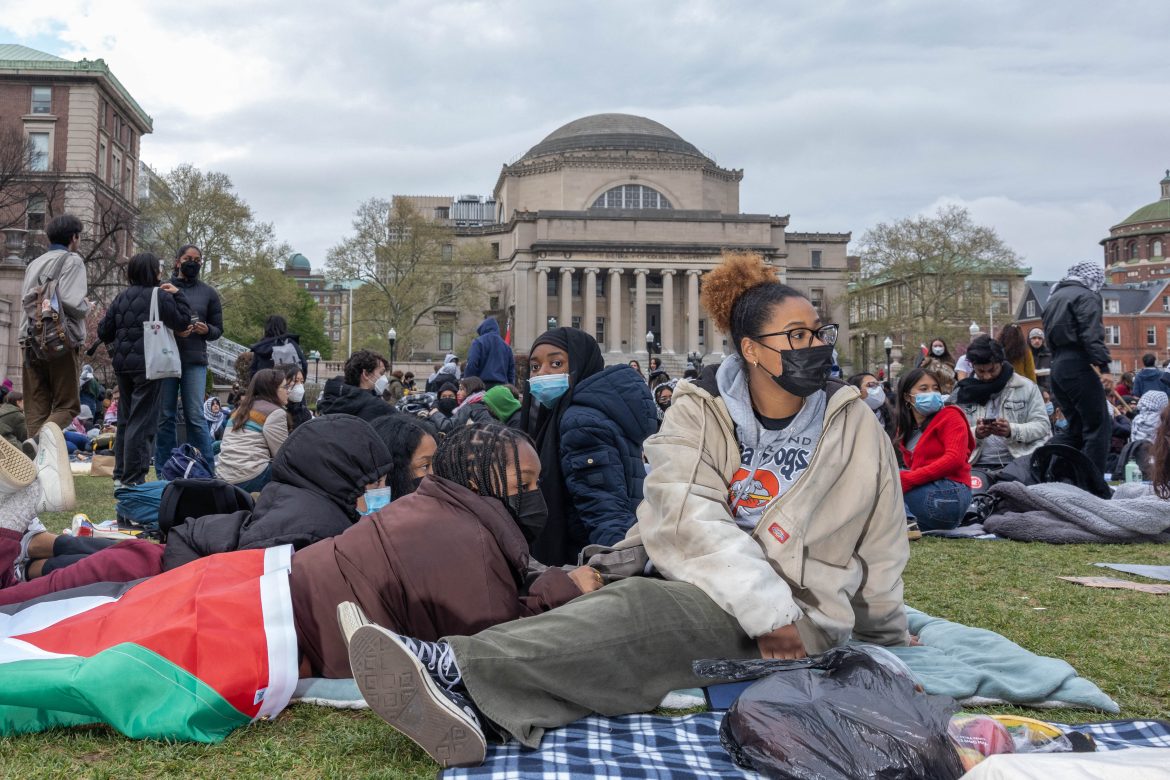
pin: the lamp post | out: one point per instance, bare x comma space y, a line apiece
392, 337
889, 345
650, 342
315, 356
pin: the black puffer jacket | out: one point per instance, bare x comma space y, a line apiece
316, 479
121, 327
1072, 323
204, 303
340, 398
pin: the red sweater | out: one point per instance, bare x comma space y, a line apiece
942, 451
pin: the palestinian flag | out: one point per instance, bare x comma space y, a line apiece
191, 654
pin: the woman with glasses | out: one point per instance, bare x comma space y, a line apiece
772, 513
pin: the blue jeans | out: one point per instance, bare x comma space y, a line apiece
75, 441
938, 505
257, 483
191, 386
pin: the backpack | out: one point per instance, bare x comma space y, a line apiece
47, 336
285, 353
187, 498
138, 504
1062, 463
186, 462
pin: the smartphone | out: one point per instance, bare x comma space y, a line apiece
989, 421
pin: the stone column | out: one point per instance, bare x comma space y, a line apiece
614, 326
589, 321
541, 301
693, 275
667, 335
566, 297
640, 309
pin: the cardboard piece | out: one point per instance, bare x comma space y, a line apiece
1112, 582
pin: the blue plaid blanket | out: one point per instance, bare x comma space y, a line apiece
687, 748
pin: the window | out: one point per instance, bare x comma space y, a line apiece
1151, 337
1030, 309
1131, 250
702, 332
817, 297
577, 323
601, 287
599, 333
1166, 303
117, 165
1113, 335
36, 213
128, 180
494, 303
105, 115
42, 100
552, 283
1115, 367
1168, 335
1112, 306
446, 290
816, 258
632, 196
446, 334
1000, 289
496, 250
442, 212
1156, 248
103, 153
39, 146
575, 285
447, 252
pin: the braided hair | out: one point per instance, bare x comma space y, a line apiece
478, 457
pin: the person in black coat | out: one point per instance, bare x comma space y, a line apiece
1076, 335
588, 423
359, 390
317, 477
278, 347
121, 331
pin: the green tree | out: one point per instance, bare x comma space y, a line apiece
410, 268
268, 291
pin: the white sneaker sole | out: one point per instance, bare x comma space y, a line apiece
399, 690
51, 444
350, 618
18, 471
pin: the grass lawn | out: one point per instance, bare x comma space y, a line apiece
1118, 639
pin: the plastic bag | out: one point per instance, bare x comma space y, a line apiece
978, 736
849, 713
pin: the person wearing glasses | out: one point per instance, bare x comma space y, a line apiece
772, 513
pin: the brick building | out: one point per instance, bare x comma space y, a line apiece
1136, 248
331, 297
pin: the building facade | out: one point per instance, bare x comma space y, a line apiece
331, 297
1136, 249
609, 223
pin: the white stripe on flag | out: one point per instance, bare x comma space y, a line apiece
37, 617
279, 631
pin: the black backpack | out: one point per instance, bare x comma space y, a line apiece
187, 498
1062, 463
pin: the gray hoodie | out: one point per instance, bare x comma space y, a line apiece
772, 461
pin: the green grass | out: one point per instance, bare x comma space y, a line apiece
1118, 639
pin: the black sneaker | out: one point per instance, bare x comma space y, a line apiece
409, 684
913, 533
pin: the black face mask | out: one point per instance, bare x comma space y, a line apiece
664, 405
529, 511
446, 405
190, 270
805, 370
416, 482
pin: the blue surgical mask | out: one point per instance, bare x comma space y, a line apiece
1049, 408
1061, 424
928, 403
376, 499
548, 389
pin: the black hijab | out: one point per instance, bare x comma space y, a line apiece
554, 546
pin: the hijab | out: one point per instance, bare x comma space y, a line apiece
554, 547
1090, 274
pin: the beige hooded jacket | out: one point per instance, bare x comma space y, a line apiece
827, 555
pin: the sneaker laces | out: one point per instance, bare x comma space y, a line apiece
438, 658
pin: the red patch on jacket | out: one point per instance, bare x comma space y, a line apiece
778, 532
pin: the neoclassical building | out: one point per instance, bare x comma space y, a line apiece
609, 223
1136, 249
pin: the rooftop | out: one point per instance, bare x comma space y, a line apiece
1157, 211
622, 132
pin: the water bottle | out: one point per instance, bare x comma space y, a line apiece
1133, 472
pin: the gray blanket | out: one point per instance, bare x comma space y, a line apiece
1063, 514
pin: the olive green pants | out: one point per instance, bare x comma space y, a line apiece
615, 651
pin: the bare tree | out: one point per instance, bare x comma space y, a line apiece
16, 162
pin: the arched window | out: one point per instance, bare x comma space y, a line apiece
1131, 252
1156, 249
632, 196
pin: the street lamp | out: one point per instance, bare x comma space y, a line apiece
889, 345
392, 337
650, 342
315, 356
973, 329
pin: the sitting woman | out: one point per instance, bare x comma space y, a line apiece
412, 450
771, 507
588, 423
298, 410
216, 418
935, 443
77, 438
443, 415
875, 398
259, 426
472, 409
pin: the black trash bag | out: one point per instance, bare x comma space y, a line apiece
843, 714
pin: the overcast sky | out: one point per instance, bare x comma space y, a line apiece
1050, 121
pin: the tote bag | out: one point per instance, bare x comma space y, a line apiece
158, 344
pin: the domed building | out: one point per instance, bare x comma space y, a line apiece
608, 223
1135, 250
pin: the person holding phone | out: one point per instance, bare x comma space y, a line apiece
1005, 409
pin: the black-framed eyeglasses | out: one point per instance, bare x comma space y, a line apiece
799, 338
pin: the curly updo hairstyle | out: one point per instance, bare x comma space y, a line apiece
740, 293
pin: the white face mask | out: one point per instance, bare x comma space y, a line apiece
938, 351
875, 397
381, 385
296, 394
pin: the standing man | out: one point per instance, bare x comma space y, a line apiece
1041, 356
1076, 334
490, 358
52, 387
206, 325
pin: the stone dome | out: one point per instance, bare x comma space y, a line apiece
297, 262
621, 132
1157, 211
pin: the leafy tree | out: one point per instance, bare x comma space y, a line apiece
248, 306
929, 276
410, 268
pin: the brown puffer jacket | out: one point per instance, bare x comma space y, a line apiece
442, 561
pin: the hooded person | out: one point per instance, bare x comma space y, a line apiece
442, 416
317, 477
1149, 413
1076, 335
504, 406
490, 358
662, 396
1151, 377
588, 423
216, 417
90, 389
278, 347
